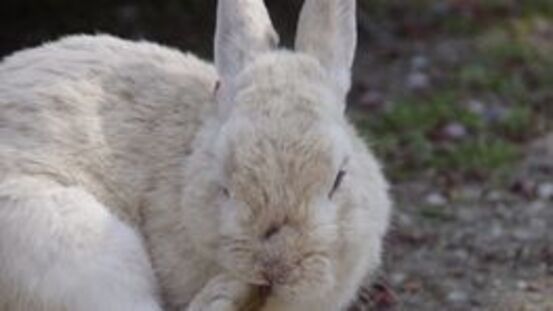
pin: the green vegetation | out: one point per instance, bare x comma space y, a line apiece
509, 75
409, 137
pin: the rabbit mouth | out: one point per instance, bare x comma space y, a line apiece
308, 278
288, 275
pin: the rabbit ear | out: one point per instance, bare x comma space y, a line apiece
243, 30
327, 31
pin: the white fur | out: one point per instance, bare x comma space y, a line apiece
62, 250
244, 30
327, 31
117, 157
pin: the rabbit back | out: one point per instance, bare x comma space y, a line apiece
105, 113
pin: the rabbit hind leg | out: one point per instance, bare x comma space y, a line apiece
60, 249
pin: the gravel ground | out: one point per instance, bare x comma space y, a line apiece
474, 249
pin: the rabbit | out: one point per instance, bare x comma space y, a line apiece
137, 177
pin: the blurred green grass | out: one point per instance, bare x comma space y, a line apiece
510, 69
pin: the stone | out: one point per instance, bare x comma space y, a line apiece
457, 296
436, 199
545, 191
454, 131
419, 62
418, 81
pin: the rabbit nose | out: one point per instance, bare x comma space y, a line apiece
275, 272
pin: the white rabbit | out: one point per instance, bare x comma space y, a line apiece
123, 174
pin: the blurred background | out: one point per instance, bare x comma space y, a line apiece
456, 98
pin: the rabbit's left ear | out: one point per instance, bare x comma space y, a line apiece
327, 30
243, 31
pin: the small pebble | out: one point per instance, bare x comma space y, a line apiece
467, 214
477, 107
545, 191
398, 278
448, 52
419, 62
461, 254
494, 196
404, 219
436, 199
494, 113
457, 296
496, 230
536, 206
523, 234
418, 81
522, 285
454, 131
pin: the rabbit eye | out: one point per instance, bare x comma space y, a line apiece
337, 182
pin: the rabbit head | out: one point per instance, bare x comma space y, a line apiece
275, 165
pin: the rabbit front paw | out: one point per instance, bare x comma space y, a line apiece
222, 293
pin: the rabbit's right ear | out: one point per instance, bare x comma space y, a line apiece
327, 31
243, 31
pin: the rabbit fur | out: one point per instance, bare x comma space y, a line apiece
136, 177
